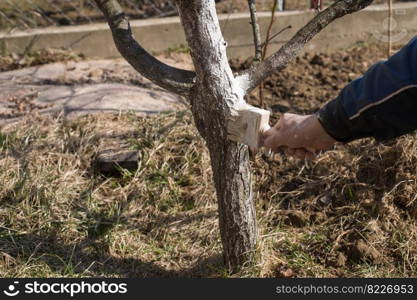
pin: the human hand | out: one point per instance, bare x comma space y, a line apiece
299, 136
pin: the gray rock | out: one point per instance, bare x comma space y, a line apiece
110, 161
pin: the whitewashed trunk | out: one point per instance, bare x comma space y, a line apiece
214, 95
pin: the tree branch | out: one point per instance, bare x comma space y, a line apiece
279, 60
207, 47
268, 32
173, 79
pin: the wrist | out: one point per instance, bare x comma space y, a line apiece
323, 140
335, 122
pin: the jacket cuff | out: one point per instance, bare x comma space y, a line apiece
335, 121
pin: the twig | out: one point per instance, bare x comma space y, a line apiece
268, 32
276, 34
256, 30
265, 49
317, 5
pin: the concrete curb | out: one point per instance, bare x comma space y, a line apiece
161, 34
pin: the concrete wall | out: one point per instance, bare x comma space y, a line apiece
160, 34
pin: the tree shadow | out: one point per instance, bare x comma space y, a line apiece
90, 257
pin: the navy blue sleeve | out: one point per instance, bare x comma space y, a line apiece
381, 104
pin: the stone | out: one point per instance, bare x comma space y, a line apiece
111, 161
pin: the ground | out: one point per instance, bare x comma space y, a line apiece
350, 213
78, 87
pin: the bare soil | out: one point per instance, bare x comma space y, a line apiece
313, 79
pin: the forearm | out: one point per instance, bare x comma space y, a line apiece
381, 104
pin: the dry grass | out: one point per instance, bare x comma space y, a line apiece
58, 218
350, 213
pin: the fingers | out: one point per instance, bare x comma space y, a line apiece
277, 136
301, 153
298, 153
310, 156
312, 150
267, 134
301, 136
273, 139
280, 123
290, 151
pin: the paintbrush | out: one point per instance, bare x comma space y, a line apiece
247, 125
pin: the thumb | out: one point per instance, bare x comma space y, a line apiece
273, 139
269, 132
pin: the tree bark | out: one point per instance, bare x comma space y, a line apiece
212, 101
256, 31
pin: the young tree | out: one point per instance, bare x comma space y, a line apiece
213, 92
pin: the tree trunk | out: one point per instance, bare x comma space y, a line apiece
212, 99
232, 178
